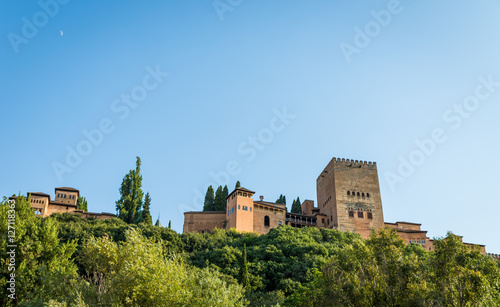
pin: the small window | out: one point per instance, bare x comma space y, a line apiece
351, 213
418, 241
348, 192
64, 195
360, 214
266, 221
358, 193
250, 209
367, 194
423, 241
370, 215
323, 221
232, 210
245, 208
363, 194
279, 223
239, 207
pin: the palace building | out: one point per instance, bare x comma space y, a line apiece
65, 201
348, 196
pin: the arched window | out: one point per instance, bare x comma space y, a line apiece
367, 194
363, 194
348, 193
266, 221
358, 193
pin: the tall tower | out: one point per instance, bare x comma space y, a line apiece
239, 209
348, 193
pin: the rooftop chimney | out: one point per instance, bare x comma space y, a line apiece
261, 198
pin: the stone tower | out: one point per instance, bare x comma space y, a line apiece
348, 193
239, 209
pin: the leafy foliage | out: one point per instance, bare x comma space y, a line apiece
81, 203
65, 260
43, 265
130, 202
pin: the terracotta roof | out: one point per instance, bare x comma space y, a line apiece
240, 189
68, 189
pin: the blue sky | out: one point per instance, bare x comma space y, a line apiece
257, 91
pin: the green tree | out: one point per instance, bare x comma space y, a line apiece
220, 201
462, 276
130, 203
238, 185
81, 203
43, 266
169, 224
146, 214
296, 208
208, 205
136, 272
158, 223
281, 199
225, 194
243, 275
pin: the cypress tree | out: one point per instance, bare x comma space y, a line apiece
238, 185
146, 214
220, 201
225, 193
244, 277
130, 202
170, 224
296, 206
208, 205
281, 199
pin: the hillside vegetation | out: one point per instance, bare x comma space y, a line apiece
64, 260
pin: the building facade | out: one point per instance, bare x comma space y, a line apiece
348, 195
65, 201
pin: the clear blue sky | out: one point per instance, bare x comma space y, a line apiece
355, 84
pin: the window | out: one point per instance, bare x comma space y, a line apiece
232, 210
239, 207
418, 241
423, 241
64, 195
348, 193
370, 215
279, 223
266, 221
351, 213
360, 214
245, 208
358, 193
363, 194
250, 209
367, 194
323, 221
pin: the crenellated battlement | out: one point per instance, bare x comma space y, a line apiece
349, 163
